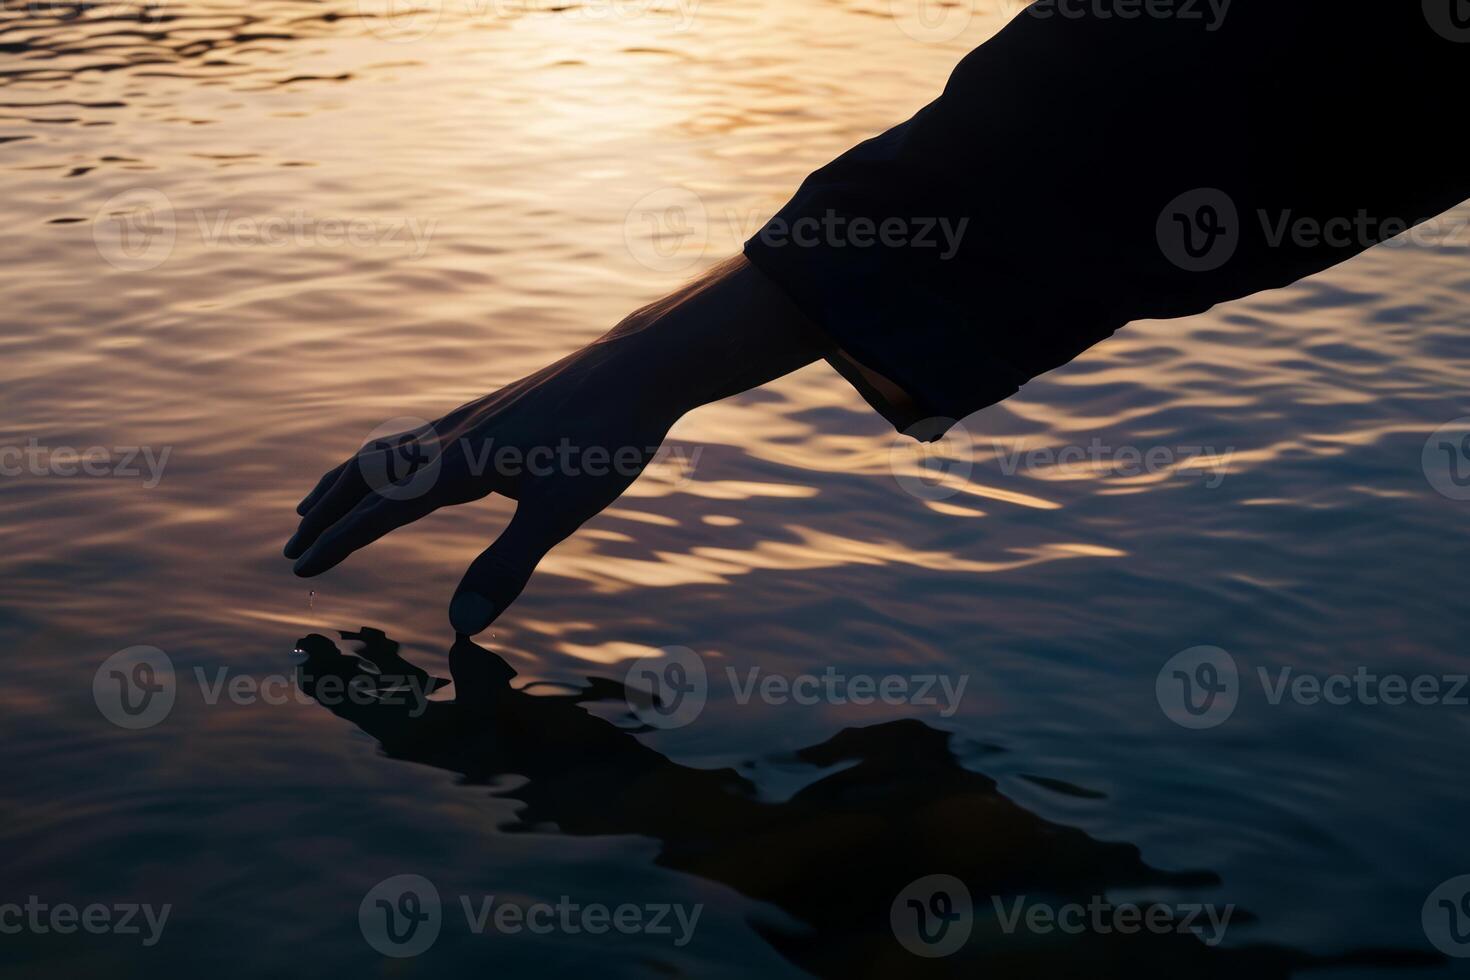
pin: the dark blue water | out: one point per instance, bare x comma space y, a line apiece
1268, 481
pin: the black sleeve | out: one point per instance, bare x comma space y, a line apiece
1083, 169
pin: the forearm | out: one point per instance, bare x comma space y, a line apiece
727, 332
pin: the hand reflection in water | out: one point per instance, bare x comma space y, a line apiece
894, 805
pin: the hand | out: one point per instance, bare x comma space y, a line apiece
564, 442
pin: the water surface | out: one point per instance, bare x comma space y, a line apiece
509, 173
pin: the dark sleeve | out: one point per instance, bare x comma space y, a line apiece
1081, 171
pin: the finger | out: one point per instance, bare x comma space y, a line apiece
368, 521
322, 486
500, 573
346, 493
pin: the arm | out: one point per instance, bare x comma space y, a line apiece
1072, 163
728, 331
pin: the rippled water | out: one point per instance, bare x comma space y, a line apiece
348, 215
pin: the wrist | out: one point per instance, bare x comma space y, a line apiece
726, 332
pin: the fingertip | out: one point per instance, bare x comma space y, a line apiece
470, 612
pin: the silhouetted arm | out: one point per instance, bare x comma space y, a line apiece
612, 403
1084, 169
1076, 174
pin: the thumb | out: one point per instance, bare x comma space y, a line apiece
498, 575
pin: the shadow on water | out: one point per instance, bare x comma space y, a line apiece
899, 806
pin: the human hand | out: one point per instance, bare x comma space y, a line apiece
564, 443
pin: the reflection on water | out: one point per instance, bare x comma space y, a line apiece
245, 236
893, 798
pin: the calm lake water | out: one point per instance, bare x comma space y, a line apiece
348, 216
